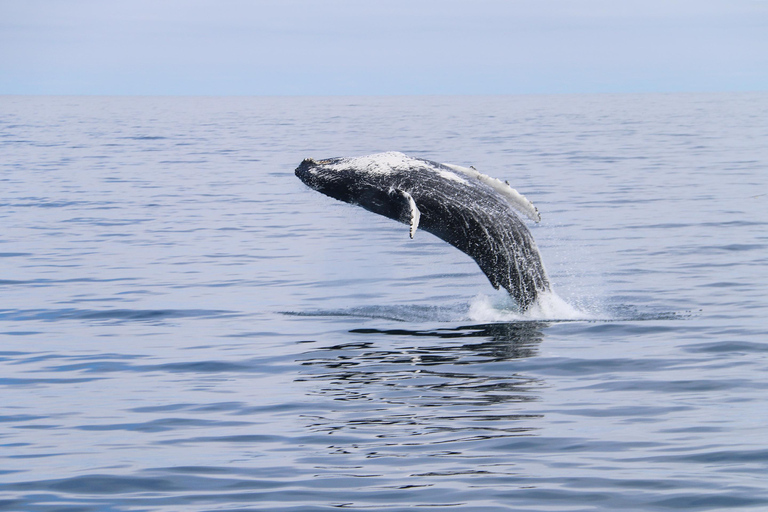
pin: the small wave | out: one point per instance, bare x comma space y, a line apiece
108, 314
397, 313
145, 137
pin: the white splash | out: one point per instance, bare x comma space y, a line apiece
501, 308
517, 200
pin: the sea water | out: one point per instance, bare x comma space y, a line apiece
185, 326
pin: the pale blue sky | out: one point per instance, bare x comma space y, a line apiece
254, 47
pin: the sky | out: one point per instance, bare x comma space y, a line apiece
381, 47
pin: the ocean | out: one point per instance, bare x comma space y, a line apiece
186, 326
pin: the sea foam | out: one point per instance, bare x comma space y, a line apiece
501, 308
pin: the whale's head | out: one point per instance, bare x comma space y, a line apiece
376, 170
327, 177
313, 173
372, 182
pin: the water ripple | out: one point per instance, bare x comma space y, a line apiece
395, 380
51, 315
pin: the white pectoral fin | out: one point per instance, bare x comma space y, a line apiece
515, 199
415, 214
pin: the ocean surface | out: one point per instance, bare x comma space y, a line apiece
185, 326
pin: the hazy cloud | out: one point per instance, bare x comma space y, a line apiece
381, 46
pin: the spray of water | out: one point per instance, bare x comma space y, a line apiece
501, 308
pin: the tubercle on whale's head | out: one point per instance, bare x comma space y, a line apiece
310, 173
310, 167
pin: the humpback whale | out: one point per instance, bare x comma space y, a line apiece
471, 211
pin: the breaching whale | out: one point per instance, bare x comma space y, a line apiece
470, 210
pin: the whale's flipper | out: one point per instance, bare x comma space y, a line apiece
414, 214
517, 200
406, 210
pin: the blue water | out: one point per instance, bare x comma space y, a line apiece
185, 326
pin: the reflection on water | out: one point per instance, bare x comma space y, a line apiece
465, 387
513, 340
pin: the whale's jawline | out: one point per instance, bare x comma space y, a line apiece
466, 213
